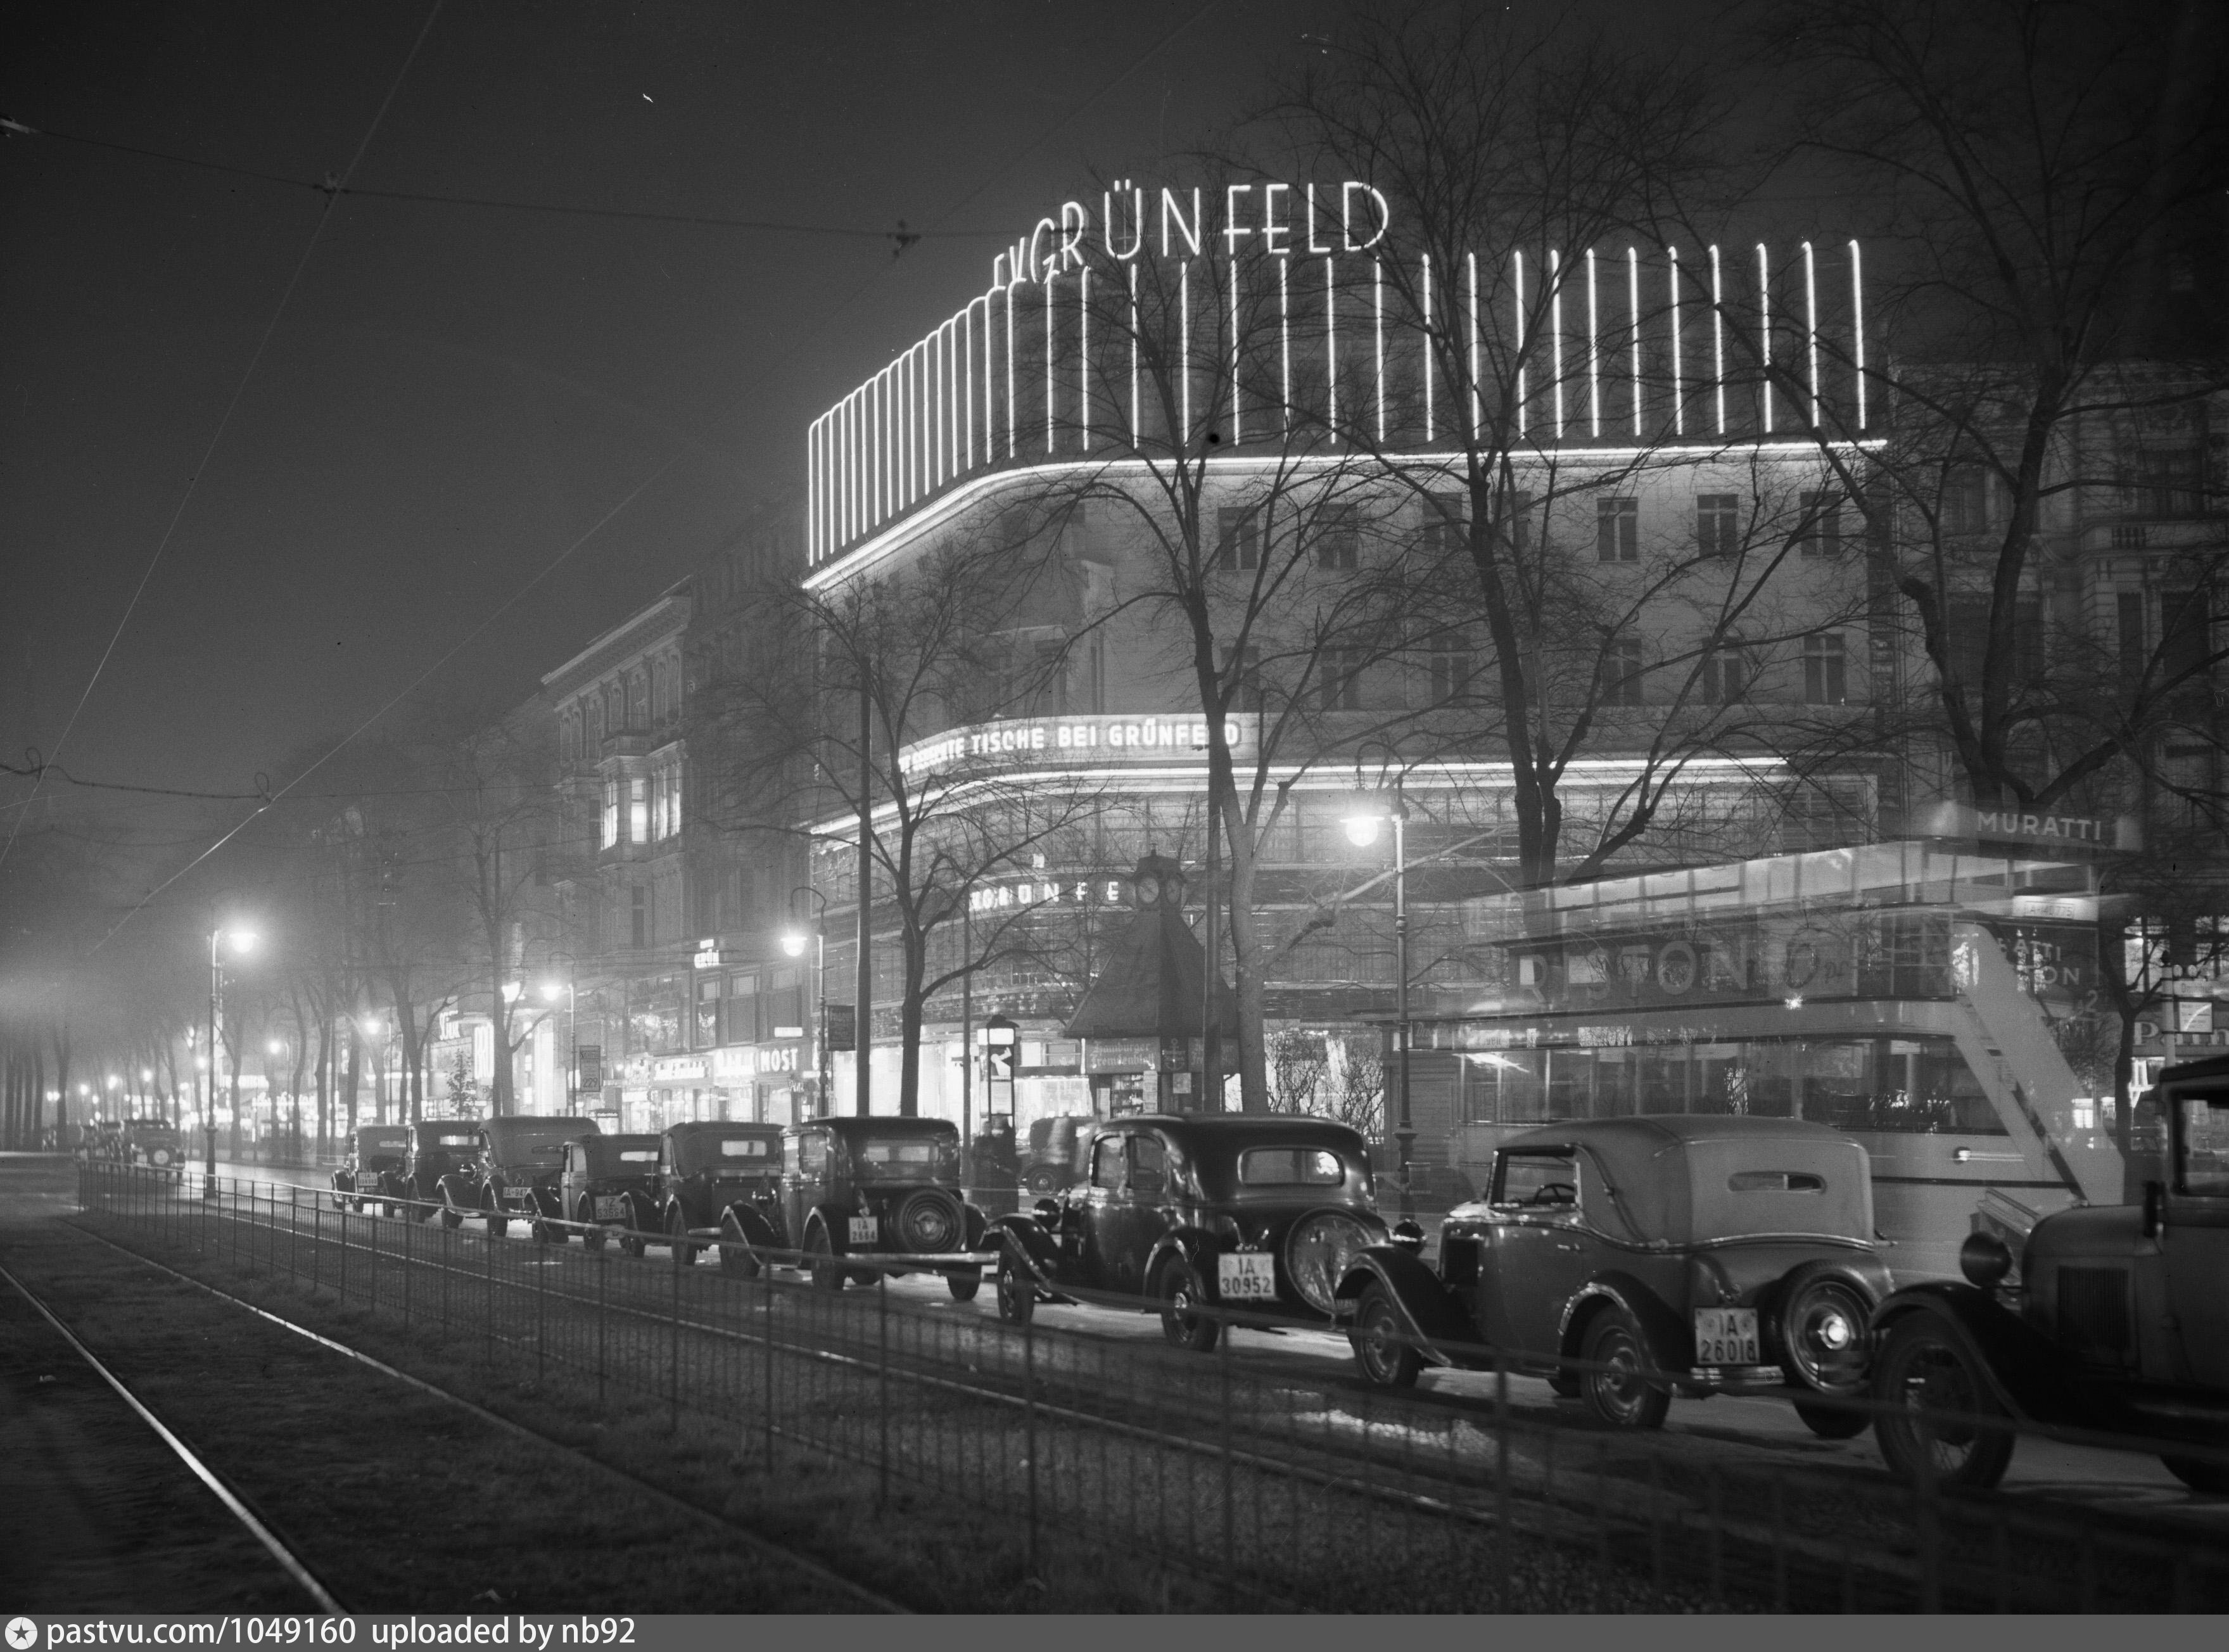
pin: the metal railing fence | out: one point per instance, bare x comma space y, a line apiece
1210, 1476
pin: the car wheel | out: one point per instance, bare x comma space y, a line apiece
542, 1231
1382, 1346
451, 1216
820, 1261
1177, 1287
592, 1235
632, 1244
1822, 1334
736, 1255
677, 1239
963, 1283
2200, 1475
1017, 1296
1933, 1385
1042, 1179
1565, 1385
1831, 1422
1618, 1393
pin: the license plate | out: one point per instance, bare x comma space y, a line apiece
1726, 1336
865, 1230
1247, 1276
611, 1208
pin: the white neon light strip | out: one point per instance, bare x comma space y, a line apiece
1331, 344
1014, 436
1237, 413
941, 511
1678, 407
1428, 347
1593, 353
1632, 304
1718, 338
1518, 308
1764, 327
1858, 324
1183, 348
1285, 336
1083, 351
1811, 326
1556, 333
1377, 295
1134, 353
1470, 262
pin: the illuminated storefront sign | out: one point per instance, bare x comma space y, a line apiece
667, 1069
2032, 826
1029, 741
1012, 894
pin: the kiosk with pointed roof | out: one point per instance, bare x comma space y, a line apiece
1154, 990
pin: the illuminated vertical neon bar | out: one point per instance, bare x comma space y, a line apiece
907, 375
1764, 327
1184, 347
1718, 339
1331, 343
989, 383
1083, 351
1377, 296
1594, 338
812, 493
1428, 347
1556, 333
1051, 292
1522, 411
1811, 326
844, 472
1858, 324
1470, 268
1133, 355
1678, 411
1285, 337
1633, 313
932, 398
1237, 414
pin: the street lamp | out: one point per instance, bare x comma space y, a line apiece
240, 940
1368, 812
550, 991
792, 942
374, 1030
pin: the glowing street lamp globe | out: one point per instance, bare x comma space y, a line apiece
551, 990
792, 942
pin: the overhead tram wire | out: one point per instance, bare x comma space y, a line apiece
804, 337
224, 422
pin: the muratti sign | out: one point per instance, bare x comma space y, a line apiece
1025, 742
2035, 826
1285, 218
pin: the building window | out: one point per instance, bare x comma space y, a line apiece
1621, 672
1452, 667
1825, 670
1966, 499
1718, 523
638, 809
2168, 482
638, 910
1517, 518
1444, 517
1617, 529
2186, 636
1237, 539
611, 826
1820, 532
2129, 616
1242, 670
1338, 540
1341, 678
2187, 781
1725, 675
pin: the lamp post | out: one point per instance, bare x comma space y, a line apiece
374, 1030
1363, 820
793, 943
239, 940
550, 991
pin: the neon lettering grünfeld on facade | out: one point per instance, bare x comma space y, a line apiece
1043, 365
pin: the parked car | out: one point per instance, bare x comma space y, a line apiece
372, 1172
1058, 1148
103, 1139
153, 1142
2117, 1321
438, 1148
886, 1187
1259, 1213
722, 1182
606, 1181
1668, 1253
513, 1171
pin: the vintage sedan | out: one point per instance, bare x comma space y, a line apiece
372, 1172
606, 1181
154, 1143
720, 1182
514, 1173
2118, 1319
1057, 1150
1263, 1214
884, 1187
439, 1147
1627, 1259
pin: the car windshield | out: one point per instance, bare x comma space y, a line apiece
452, 1138
726, 1156
382, 1141
904, 1158
2204, 1148
546, 1142
1536, 1178
1290, 1167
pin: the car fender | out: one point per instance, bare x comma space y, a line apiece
1025, 1237
751, 1221
1670, 1343
835, 1219
643, 1215
1198, 1247
2027, 1373
1433, 1313
976, 1224
459, 1191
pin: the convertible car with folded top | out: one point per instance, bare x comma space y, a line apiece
1630, 1259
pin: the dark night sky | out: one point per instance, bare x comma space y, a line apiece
455, 393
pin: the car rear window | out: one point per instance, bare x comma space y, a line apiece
638, 1155
448, 1139
747, 1148
903, 1156
1536, 1178
1776, 1181
1290, 1167
897, 1153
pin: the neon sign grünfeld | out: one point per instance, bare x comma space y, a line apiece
1287, 219
1022, 743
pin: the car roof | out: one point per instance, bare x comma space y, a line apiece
636, 1140
1233, 1130
722, 1127
882, 1125
1650, 1131
542, 1121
